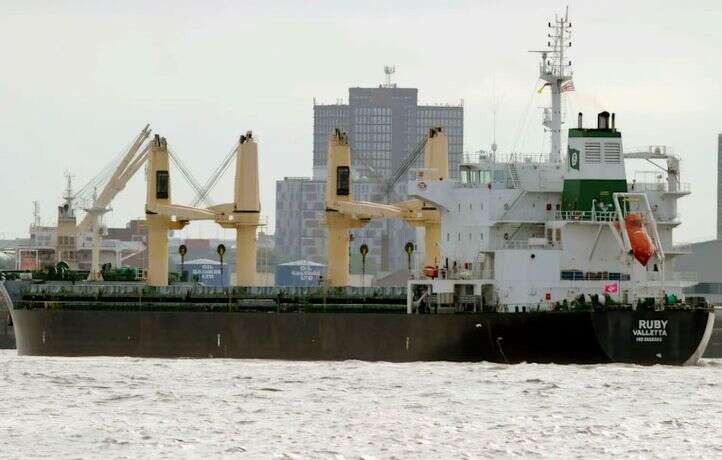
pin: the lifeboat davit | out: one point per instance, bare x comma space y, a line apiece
642, 246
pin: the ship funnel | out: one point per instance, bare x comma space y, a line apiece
579, 120
603, 120
613, 125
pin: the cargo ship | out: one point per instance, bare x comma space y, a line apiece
527, 258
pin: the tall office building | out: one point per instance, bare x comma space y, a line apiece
300, 210
719, 186
384, 124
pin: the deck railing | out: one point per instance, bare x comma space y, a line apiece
594, 216
683, 187
673, 276
478, 157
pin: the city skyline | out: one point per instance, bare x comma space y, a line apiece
384, 125
77, 102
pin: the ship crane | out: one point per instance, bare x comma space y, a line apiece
129, 164
244, 213
344, 213
161, 214
205, 190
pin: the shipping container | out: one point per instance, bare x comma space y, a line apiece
208, 272
299, 273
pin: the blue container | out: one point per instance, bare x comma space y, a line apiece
208, 272
299, 273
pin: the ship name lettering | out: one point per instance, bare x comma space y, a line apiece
650, 330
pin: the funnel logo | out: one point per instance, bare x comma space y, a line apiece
573, 158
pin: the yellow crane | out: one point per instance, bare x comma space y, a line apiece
344, 213
244, 213
161, 214
129, 164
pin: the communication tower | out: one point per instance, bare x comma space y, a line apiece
36, 214
556, 72
389, 70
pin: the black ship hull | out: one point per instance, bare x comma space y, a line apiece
263, 323
7, 339
564, 337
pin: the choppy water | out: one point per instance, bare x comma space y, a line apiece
129, 408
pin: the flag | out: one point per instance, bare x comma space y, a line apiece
567, 86
610, 288
542, 88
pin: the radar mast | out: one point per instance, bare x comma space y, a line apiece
556, 73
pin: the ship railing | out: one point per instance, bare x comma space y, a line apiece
664, 186
673, 276
472, 274
469, 185
523, 307
525, 244
667, 218
649, 151
518, 157
683, 248
476, 157
182, 291
592, 216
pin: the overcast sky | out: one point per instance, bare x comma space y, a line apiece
80, 79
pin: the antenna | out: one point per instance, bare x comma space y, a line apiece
389, 70
68, 197
36, 214
68, 185
555, 72
494, 107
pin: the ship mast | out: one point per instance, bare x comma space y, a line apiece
555, 72
69, 197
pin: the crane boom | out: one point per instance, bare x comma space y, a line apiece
127, 167
130, 163
406, 164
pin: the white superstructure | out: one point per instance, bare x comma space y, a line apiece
535, 232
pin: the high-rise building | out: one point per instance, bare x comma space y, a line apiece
300, 210
384, 125
719, 186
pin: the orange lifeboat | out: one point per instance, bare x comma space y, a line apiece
642, 246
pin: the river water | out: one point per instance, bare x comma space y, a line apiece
157, 408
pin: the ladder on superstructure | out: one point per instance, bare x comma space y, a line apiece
513, 174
